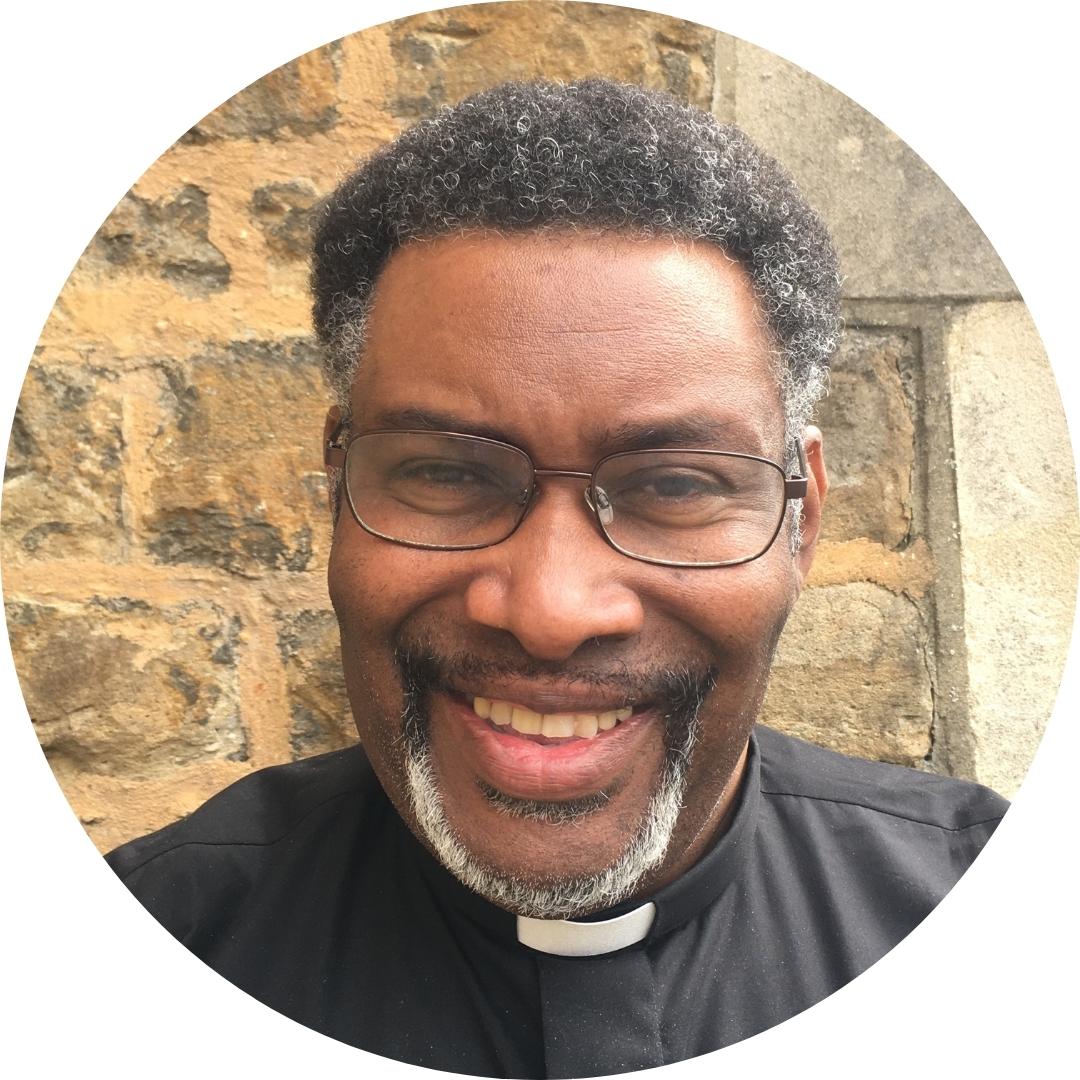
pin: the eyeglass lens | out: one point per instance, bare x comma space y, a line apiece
452, 491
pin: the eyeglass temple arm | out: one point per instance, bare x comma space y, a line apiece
333, 452
795, 487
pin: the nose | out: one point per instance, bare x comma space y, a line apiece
556, 584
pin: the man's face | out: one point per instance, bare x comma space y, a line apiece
570, 347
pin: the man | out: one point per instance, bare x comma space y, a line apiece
576, 334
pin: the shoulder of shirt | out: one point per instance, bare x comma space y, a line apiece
792, 769
262, 809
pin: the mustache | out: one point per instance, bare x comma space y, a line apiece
423, 668
678, 691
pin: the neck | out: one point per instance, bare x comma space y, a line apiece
694, 838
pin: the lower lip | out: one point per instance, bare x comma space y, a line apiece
527, 769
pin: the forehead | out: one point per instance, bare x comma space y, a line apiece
569, 336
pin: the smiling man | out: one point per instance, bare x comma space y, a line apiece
576, 334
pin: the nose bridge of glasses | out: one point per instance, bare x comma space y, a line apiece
574, 474
571, 473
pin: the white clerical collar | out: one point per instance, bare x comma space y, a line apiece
563, 937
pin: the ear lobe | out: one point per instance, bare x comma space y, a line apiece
333, 422
816, 488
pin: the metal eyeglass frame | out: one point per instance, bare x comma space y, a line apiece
335, 456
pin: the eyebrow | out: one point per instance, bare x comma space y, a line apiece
413, 419
691, 430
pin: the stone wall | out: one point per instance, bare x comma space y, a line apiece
165, 583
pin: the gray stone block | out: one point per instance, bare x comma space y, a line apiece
900, 232
1017, 502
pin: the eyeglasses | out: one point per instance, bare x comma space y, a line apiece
449, 492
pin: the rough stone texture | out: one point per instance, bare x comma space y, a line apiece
320, 719
900, 232
113, 809
167, 237
299, 98
851, 674
869, 439
235, 473
1016, 493
63, 484
283, 212
444, 55
120, 687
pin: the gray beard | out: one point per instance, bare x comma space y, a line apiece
555, 897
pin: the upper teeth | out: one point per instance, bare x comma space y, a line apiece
552, 725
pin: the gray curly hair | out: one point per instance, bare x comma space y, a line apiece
589, 155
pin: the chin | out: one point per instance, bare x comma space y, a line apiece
602, 859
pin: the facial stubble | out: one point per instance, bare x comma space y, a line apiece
681, 692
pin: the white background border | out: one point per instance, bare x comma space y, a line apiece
93, 93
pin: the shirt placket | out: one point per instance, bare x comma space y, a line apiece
600, 1014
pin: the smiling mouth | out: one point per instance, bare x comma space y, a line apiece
509, 716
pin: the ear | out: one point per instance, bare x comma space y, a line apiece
333, 471
333, 420
816, 488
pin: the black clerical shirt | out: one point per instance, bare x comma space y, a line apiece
301, 885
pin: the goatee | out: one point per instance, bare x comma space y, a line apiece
679, 694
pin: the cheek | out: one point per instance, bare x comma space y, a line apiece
376, 587
372, 584
368, 609
740, 609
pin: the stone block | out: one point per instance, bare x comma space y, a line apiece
119, 686
443, 56
320, 718
115, 809
166, 238
900, 232
283, 213
1020, 537
233, 474
298, 98
851, 673
62, 485
869, 439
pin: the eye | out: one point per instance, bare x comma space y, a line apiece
673, 484
448, 474
446, 485
681, 485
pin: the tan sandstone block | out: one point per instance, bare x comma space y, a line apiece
298, 98
909, 571
62, 485
851, 674
869, 439
233, 473
119, 686
443, 56
1017, 503
320, 718
115, 809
